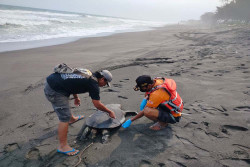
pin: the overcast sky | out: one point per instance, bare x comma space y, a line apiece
153, 10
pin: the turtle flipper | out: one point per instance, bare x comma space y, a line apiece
105, 136
83, 133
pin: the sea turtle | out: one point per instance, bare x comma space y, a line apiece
101, 122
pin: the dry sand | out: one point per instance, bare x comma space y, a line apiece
210, 65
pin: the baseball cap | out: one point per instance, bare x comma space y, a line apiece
107, 75
142, 80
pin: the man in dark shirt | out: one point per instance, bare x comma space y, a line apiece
60, 86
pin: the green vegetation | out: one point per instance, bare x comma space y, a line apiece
233, 11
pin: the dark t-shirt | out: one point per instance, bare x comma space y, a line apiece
67, 84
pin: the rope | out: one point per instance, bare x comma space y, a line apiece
80, 155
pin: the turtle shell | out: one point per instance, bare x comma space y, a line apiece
102, 120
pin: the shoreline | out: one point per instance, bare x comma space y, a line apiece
23, 45
210, 67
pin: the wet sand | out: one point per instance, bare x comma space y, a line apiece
210, 65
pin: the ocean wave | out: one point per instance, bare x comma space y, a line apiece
26, 25
56, 20
45, 13
64, 32
23, 22
9, 24
35, 21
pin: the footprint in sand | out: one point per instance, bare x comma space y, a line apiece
235, 128
145, 163
122, 97
49, 113
223, 130
34, 154
247, 92
11, 147
178, 73
226, 114
242, 108
110, 90
115, 163
241, 154
32, 87
27, 125
161, 165
150, 145
190, 124
124, 80
117, 85
206, 123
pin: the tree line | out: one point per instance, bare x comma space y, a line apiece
230, 11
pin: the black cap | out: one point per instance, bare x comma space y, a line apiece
143, 80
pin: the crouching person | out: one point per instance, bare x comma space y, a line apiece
162, 103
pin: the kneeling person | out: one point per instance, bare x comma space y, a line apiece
162, 103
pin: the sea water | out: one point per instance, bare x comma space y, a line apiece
22, 27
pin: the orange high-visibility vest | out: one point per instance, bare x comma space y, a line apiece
175, 103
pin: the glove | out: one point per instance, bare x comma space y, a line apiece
143, 104
126, 124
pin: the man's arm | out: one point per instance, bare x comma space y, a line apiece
102, 107
129, 121
139, 115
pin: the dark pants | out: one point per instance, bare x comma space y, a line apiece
166, 116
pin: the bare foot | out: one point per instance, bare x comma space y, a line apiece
158, 126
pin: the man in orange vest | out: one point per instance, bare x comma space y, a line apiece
155, 106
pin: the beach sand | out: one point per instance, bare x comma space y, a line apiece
210, 65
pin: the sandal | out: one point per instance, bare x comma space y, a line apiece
79, 117
67, 152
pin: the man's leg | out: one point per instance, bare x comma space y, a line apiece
62, 135
61, 106
153, 114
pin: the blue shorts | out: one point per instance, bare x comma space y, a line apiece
59, 102
166, 116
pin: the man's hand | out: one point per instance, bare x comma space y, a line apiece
77, 101
127, 123
112, 114
100, 106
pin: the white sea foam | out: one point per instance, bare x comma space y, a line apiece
22, 24
24, 12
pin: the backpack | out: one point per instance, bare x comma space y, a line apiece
64, 68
